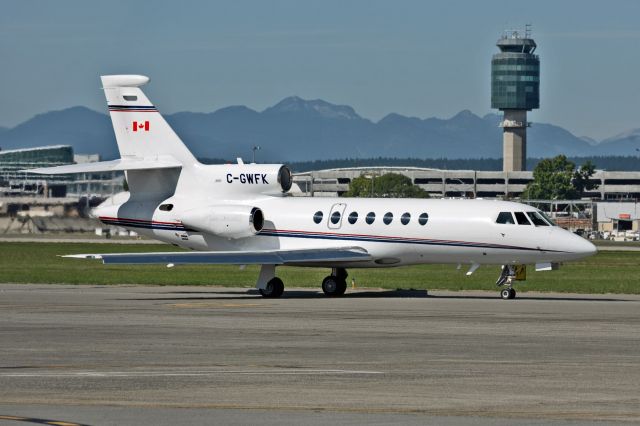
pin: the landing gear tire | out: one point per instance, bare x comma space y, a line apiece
274, 288
333, 286
505, 294
508, 293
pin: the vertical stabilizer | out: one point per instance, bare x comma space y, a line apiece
140, 129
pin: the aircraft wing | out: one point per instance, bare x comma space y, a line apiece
267, 257
134, 163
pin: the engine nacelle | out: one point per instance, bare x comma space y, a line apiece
230, 221
268, 179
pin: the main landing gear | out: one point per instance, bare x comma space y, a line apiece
272, 287
336, 283
507, 277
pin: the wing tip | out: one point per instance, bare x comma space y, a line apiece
83, 256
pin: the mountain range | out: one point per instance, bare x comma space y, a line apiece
301, 130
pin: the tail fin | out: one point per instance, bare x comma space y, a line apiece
140, 129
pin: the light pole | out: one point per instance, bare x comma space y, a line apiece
254, 149
371, 176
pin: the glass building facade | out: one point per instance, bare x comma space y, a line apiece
14, 181
47, 155
515, 75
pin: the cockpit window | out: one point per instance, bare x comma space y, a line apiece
548, 219
522, 218
505, 218
537, 219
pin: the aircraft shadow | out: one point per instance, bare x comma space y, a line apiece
288, 294
399, 293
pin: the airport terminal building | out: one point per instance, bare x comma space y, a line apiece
14, 182
58, 194
46, 195
438, 183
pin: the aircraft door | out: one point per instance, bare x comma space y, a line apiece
335, 216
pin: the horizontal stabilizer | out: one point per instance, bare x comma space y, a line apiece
163, 162
269, 257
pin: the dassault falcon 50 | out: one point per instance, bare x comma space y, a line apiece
242, 214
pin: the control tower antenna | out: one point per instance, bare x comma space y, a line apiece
515, 89
527, 30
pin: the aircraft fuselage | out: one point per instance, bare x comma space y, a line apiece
394, 231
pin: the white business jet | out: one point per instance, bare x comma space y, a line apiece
241, 214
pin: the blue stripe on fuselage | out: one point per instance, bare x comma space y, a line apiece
397, 240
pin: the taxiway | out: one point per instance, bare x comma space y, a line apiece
125, 354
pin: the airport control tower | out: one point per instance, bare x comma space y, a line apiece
515, 89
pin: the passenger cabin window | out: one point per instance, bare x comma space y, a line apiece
537, 219
130, 97
423, 219
317, 217
505, 218
388, 217
353, 217
335, 217
166, 207
371, 217
405, 218
522, 218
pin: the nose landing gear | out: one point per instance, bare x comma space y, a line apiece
508, 275
508, 293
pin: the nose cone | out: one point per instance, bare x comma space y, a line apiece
571, 246
583, 247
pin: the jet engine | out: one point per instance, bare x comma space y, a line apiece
229, 221
244, 179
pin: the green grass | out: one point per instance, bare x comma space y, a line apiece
611, 243
607, 272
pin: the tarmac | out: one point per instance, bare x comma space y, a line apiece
107, 355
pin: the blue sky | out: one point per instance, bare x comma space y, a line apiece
418, 58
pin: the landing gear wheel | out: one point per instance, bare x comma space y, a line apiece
333, 286
508, 293
274, 288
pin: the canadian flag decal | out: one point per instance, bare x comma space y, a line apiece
141, 126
